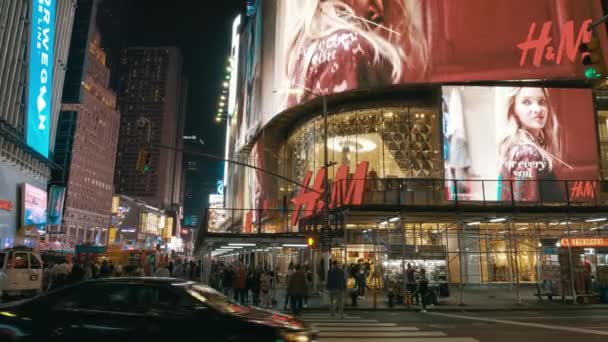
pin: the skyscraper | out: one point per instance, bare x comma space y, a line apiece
87, 134
152, 96
22, 158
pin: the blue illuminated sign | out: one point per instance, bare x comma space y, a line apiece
40, 78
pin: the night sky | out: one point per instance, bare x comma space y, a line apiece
202, 29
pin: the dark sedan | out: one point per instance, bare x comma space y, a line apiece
144, 309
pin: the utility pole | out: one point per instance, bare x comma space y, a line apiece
326, 238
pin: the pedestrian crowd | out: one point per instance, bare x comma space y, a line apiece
62, 272
260, 284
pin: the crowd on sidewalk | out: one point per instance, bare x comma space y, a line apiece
259, 286
63, 272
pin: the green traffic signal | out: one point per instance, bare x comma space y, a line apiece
591, 73
146, 168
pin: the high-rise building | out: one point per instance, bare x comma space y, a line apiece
87, 134
152, 96
34, 41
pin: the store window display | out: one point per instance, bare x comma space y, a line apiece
400, 142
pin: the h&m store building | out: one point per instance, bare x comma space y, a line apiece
462, 140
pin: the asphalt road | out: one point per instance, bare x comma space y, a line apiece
496, 326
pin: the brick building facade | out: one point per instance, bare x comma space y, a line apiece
87, 135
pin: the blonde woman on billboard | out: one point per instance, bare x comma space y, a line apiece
530, 149
340, 45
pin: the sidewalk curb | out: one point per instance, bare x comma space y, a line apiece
470, 308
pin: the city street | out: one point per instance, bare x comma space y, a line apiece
391, 326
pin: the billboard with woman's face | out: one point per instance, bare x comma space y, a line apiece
519, 144
316, 47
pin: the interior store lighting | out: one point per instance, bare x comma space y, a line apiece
395, 219
295, 245
355, 144
242, 244
599, 219
476, 223
500, 219
232, 247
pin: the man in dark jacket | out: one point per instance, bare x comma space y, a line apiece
336, 285
297, 289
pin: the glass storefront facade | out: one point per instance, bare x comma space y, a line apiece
412, 212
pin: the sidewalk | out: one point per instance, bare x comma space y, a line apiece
500, 298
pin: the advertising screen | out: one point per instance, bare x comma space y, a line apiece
34, 206
56, 201
217, 215
521, 144
313, 47
40, 77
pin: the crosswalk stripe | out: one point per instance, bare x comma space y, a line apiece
348, 329
338, 320
346, 324
401, 339
323, 333
305, 317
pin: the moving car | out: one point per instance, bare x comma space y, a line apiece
144, 309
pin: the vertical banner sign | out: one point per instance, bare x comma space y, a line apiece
40, 77
55, 207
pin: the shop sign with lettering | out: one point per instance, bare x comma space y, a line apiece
343, 192
584, 242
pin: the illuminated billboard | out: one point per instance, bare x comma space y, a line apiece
40, 77
519, 144
34, 206
217, 215
56, 202
314, 47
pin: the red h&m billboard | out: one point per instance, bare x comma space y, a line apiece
327, 47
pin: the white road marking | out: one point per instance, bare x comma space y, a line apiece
404, 339
324, 333
346, 324
372, 328
524, 324
321, 320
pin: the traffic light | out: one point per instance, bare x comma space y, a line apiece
311, 242
593, 59
143, 161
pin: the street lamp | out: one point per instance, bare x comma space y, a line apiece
326, 237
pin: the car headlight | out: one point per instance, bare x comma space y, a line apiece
287, 336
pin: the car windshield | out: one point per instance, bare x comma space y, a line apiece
216, 300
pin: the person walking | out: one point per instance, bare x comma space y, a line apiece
162, 271
336, 285
227, 280
192, 274
240, 284
265, 282
290, 272
297, 289
104, 270
254, 285
410, 285
423, 289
